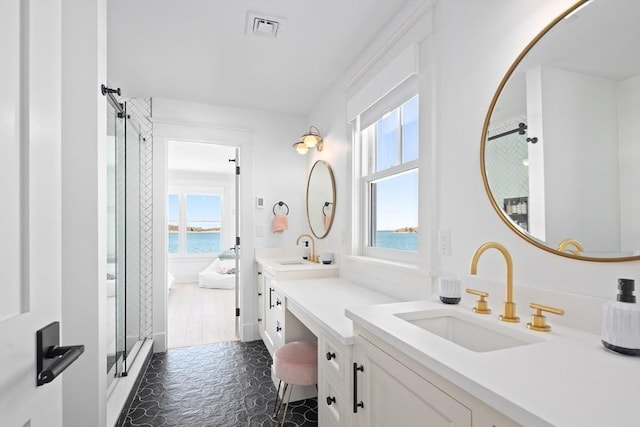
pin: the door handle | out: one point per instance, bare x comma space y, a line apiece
53, 359
356, 404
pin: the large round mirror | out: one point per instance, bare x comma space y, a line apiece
560, 153
321, 199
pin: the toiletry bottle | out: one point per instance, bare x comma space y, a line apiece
621, 321
306, 250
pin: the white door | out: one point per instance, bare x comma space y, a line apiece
30, 207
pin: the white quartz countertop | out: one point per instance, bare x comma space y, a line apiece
278, 264
566, 379
324, 302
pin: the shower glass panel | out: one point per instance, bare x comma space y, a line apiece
132, 312
115, 237
123, 239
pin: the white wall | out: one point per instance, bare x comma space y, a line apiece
270, 169
84, 210
475, 44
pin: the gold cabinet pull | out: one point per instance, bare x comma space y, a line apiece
538, 321
481, 305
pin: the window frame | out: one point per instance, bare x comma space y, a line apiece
365, 160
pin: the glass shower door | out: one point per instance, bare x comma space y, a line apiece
132, 312
123, 239
116, 243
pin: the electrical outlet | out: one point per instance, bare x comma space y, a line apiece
444, 242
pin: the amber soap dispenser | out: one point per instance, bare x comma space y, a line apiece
621, 321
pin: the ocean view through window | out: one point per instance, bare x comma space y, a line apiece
404, 241
194, 224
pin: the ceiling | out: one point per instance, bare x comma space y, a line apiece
199, 51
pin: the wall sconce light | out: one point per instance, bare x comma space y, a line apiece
310, 139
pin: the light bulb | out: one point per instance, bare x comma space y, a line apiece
301, 148
310, 140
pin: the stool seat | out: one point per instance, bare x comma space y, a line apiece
296, 363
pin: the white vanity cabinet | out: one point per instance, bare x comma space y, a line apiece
270, 317
273, 307
389, 388
387, 393
260, 292
271, 302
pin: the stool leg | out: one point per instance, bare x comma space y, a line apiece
275, 404
284, 414
279, 405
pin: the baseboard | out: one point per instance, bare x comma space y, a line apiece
249, 332
160, 342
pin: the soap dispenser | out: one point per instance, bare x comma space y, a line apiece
621, 321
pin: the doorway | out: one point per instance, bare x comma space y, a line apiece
202, 255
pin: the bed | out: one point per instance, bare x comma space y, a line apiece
220, 274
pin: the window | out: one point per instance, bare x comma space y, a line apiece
390, 180
194, 224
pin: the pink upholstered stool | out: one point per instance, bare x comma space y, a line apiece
295, 363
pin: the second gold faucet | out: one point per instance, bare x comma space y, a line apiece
312, 256
508, 307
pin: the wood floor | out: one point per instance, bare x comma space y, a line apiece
199, 316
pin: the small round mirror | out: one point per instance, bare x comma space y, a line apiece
321, 199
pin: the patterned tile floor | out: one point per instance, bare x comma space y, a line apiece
215, 385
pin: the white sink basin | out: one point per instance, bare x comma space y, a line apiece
468, 331
291, 262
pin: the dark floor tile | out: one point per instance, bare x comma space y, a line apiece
216, 385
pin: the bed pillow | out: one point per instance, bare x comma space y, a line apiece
231, 254
227, 266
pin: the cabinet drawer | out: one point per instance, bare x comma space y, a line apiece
278, 337
278, 305
334, 357
333, 405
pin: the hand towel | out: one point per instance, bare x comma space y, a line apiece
280, 223
327, 221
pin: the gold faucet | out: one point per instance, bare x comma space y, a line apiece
508, 307
563, 246
312, 255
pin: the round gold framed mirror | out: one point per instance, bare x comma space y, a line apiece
560, 153
321, 199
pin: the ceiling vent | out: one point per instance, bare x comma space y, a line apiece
265, 27
261, 24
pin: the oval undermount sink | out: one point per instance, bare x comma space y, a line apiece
467, 331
